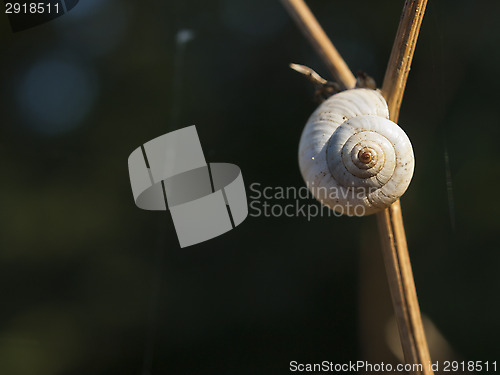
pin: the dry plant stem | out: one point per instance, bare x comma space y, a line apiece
398, 68
316, 35
402, 287
390, 221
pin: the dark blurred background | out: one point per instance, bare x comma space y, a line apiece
90, 284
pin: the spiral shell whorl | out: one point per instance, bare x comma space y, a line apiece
352, 157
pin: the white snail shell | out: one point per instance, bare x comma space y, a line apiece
352, 157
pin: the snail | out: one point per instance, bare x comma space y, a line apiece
353, 159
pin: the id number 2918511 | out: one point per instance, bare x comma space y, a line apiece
31, 8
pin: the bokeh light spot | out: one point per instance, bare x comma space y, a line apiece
55, 95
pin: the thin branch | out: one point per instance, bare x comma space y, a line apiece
320, 41
390, 221
402, 287
399, 64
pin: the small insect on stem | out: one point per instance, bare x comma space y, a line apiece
363, 80
324, 88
